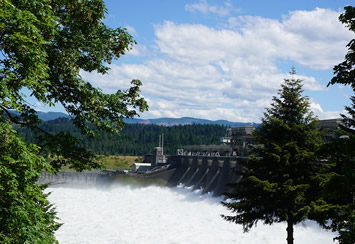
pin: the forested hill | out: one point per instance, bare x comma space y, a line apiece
45, 116
137, 139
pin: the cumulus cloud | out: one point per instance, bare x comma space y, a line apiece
318, 111
230, 73
314, 39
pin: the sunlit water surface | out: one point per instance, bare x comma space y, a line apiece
124, 214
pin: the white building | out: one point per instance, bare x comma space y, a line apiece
140, 167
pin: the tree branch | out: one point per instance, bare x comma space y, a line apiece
16, 121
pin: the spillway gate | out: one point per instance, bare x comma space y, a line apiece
212, 174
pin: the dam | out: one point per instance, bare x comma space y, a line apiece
124, 213
212, 174
208, 167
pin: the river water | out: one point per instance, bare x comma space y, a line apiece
153, 214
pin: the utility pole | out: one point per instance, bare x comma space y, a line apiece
162, 144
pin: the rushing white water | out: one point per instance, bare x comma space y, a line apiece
124, 214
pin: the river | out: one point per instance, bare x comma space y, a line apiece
153, 214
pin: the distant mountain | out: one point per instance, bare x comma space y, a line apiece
184, 121
45, 116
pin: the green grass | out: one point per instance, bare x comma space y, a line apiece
114, 162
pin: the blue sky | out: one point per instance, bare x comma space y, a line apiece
226, 59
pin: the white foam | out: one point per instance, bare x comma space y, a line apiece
124, 214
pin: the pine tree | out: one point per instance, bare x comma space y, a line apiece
339, 191
281, 177
345, 71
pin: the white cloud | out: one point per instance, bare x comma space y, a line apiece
196, 43
39, 105
317, 41
204, 7
138, 50
230, 73
318, 110
131, 30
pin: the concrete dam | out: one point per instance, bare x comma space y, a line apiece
212, 174
210, 167
79, 178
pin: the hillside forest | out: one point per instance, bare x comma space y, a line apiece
134, 139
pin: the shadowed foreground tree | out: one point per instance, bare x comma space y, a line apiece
25, 214
281, 179
45, 44
340, 189
345, 71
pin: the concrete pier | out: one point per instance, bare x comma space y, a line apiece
212, 174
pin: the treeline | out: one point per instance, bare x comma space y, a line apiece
135, 139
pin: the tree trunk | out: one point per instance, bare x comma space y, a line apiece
289, 231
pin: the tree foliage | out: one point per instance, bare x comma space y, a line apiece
344, 73
45, 44
26, 216
340, 188
135, 139
282, 176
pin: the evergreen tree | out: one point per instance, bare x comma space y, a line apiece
345, 71
339, 190
138, 139
281, 178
